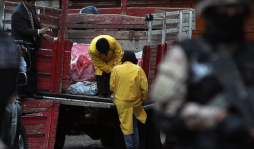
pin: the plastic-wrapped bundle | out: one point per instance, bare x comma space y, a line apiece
83, 88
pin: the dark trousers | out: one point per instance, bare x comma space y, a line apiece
8, 82
103, 84
31, 86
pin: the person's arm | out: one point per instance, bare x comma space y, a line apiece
112, 81
98, 62
171, 76
170, 89
143, 85
18, 21
118, 53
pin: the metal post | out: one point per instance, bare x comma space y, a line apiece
149, 23
3, 17
60, 48
190, 25
164, 27
180, 26
123, 7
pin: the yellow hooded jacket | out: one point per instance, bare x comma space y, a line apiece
102, 62
129, 84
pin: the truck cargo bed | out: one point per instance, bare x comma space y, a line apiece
85, 101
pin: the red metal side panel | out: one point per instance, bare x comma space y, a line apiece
60, 49
123, 6
165, 50
152, 63
146, 59
40, 120
160, 49
59, 67
44, 62
151, 59
66, 64
53, 67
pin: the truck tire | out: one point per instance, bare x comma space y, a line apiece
22, 140
107, 140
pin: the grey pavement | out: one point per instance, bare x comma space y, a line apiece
82, 142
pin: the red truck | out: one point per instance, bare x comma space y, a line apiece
49, 120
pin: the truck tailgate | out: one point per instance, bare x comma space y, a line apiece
86, 101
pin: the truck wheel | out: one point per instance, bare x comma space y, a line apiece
22, 140
107, 140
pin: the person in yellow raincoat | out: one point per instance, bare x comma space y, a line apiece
105, 52
129, 84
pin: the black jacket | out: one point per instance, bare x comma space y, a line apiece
21, 26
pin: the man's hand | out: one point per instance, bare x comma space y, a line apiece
46, 36
43, 30
22, 54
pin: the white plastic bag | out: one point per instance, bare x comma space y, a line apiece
83, 88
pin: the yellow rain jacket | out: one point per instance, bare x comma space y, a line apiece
102, 62
129, 84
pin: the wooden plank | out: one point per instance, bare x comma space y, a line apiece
43, 89
48, 17
35, 138
44, 80
43, 65
43, 70
50, 9
97, 3
40, 114
53, 66
6, 21
41, 59
113, 19
32, 110
43, 86
6, 10
46, 44
37, 104
35, 145
123, 7
105, 26
153, 54
119, 34
35, 128
44, 52
34, 121
50, 24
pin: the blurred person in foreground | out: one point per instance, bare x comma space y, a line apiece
129, 84
26, 26
9, 67
105, 52
192, 107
